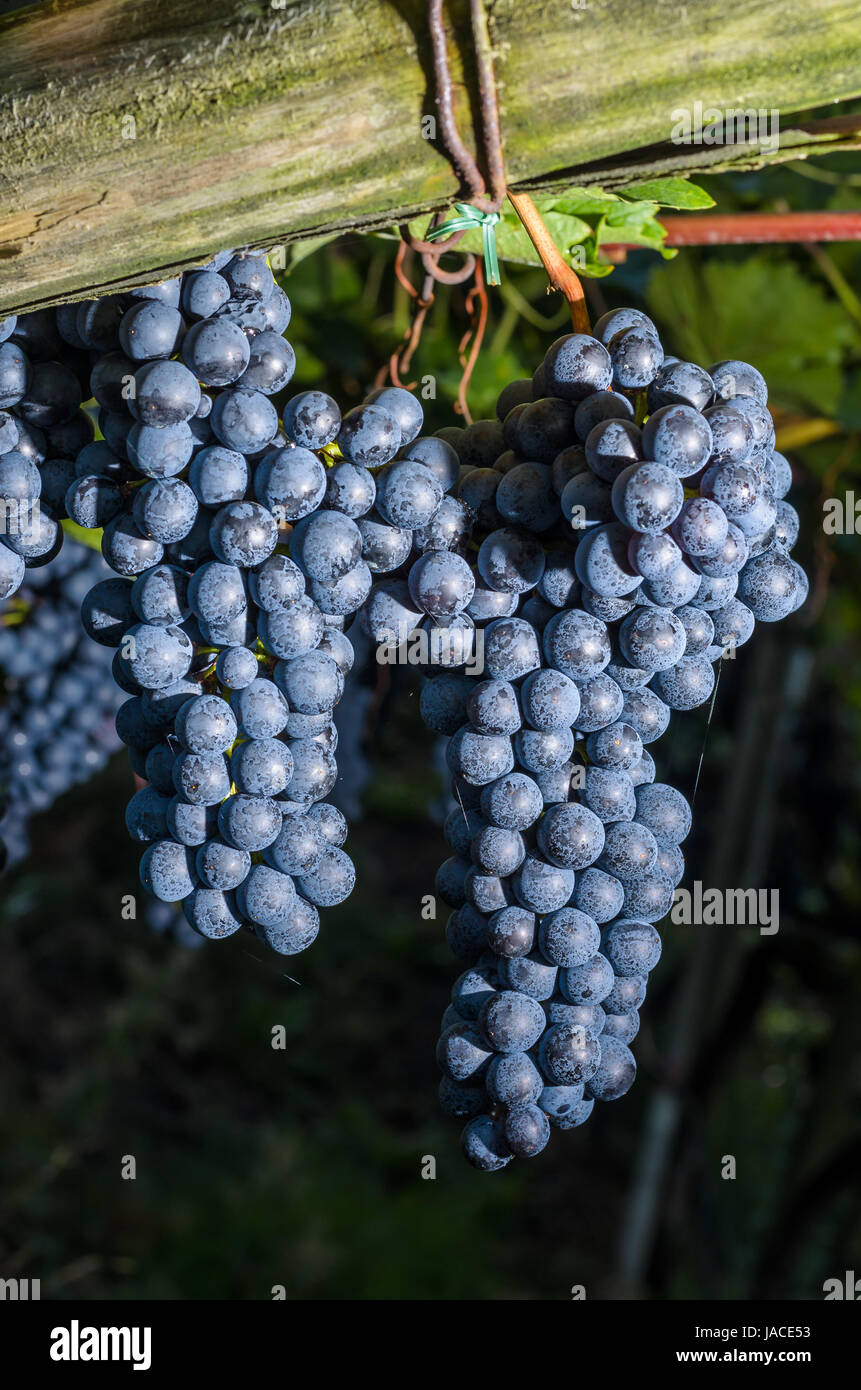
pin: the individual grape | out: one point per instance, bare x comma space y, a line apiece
615, 1073
601, 702
630, 850
623, 1027
511, 930
681, 383
527, 1130
677, 589
616, 320
249, 822
777, 474
569, 937
513, 801
150, 329
738, 379
15, 375
370, 435
650, 898
236, 667
203, 779
567, 1057
222, 866
312, 420
636, 356
271, 364
484, 1144
311, 683
163, 510
479, 758
565, 1106
632, 948
266, 897
441, 584
540, 752
525, 497
203, 293
732, 435
244, 421
571, 836
243, 534
492, 707
602, 563
260, 709
510, 561
575, 366
462, 1052
769, 586
542, 887
472, 990
167, 871
349, 489
652, 639
577, 644
612, 446
616, 746
315, 772
291, 483
608, 794
511, 649
559, 585
551, 701
647, 497
511, 1021
678, 437
146, 817
588, 983
211, 913
598, 895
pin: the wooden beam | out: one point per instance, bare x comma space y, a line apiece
138, 136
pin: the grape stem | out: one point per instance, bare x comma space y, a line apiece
754, 228
559, 272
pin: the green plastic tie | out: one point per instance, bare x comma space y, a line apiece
474, 217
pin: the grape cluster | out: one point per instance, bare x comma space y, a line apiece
597, 548
234, 528
58, 704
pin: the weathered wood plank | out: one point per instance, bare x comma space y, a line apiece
140, 135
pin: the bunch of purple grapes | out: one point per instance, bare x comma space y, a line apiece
232, 517
615, 532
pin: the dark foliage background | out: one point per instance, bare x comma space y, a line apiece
301, 1167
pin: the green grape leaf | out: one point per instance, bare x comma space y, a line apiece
765, 310
670, 193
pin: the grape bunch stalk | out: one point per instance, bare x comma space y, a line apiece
601, 545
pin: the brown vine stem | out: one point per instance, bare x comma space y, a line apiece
756, 228
559, 273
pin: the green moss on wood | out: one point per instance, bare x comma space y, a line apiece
255, 124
